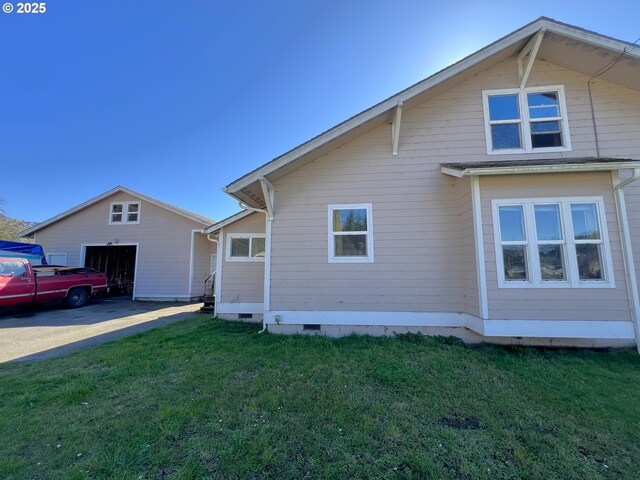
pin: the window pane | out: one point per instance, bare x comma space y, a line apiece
350, 220
551, 262
546, 140
505, 136
117, 208
239, 247
512, 223
545, 127
515, 262
132, 207
116, 217
589, 261
543, 105
12, 269
548, 222
504, 107
585, 221
350, 245
132, 217
257, 247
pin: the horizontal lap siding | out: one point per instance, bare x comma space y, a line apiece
243, 282
423, 225
467, 250
203, 249
560, 303
164, 238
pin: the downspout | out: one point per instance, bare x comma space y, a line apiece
627, 251
215, 274
267, 190
191, 260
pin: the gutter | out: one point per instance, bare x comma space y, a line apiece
627, 251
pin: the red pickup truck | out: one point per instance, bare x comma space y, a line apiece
21, 283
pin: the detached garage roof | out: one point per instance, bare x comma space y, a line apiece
172, 208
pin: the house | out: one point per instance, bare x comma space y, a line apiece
147, 248
495, 200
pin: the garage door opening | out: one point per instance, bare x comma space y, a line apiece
118, 262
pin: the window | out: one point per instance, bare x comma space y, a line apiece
552, 243
245, 247
12, 269
124, 213
350, 233
526, 120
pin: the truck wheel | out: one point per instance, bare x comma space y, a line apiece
76, 297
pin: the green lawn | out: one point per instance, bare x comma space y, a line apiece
210, 399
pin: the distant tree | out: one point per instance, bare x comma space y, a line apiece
10, 227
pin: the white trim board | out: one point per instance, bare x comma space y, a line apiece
523, 34
239, 308
179, 211
593, 329
162, 295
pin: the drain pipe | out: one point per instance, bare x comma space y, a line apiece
627, 252
267, 235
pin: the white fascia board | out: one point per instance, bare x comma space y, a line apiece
515, 170
88, 203
227, 221
384, 107
437, 78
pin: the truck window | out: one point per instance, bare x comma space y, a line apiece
12, 269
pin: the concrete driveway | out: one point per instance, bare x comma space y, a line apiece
50, 331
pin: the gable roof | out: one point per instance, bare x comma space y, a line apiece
575, 48
172, 208
227, 221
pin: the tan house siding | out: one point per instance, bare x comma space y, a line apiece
203, 249
243, 282
468, 270
557, 303
424, 260
160, 234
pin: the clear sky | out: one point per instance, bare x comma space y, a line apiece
178, 98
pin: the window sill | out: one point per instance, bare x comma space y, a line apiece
557, 285
350, 260
520, 151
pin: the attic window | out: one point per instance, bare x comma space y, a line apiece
122, 213
526, 120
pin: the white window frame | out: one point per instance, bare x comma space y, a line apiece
57, 254
525, 121
568, 243
250, 236
125, 213
369, 233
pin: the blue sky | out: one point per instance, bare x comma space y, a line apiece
176, 99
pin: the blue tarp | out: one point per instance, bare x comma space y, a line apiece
32, 252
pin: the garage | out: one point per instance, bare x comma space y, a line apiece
149, 249
118, 262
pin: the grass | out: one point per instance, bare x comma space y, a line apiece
210, 399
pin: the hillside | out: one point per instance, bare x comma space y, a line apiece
10, 227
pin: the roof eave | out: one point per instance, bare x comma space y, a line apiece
518, 170
439, 77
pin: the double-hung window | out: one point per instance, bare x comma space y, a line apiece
245, 247
526, 120
350, 233
552, 243
124, 213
